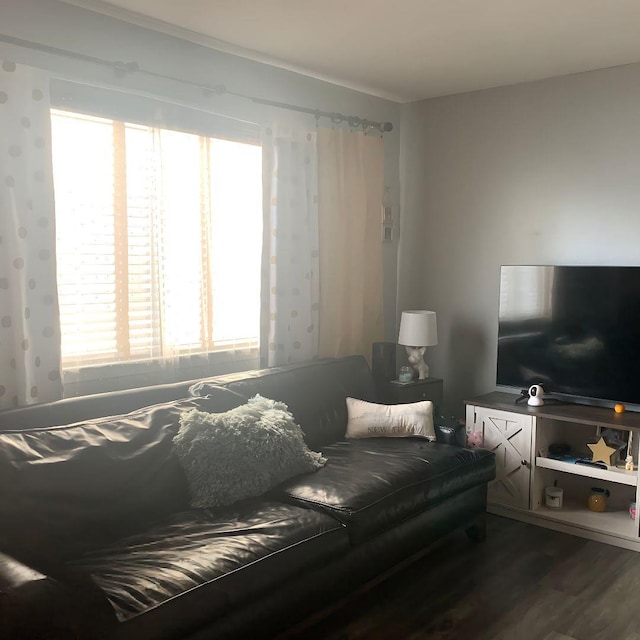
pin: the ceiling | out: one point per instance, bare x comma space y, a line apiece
404, 50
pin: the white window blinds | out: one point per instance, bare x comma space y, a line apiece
159, 238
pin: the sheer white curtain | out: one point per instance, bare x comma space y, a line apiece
350, 191
290, 285
29, 319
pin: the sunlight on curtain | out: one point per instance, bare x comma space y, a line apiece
29, 326
350, 192
289, 326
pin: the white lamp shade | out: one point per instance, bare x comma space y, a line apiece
418, 329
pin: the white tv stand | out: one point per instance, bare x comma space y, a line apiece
520, 436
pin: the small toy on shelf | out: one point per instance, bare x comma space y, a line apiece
628, 463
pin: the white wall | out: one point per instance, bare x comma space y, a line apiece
538, 173
57, 24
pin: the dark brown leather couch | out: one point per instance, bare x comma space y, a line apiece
97, 539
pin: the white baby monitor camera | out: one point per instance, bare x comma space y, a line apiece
536, 393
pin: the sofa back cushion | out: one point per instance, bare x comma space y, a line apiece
95, 405
70, 488
314, 392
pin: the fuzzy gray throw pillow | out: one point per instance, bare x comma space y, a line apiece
241, 453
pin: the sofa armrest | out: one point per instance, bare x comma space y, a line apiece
450, 431
34, 605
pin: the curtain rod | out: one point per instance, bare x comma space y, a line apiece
124, 68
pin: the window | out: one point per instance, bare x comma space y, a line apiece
159, 236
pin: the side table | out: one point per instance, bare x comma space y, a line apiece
392, 392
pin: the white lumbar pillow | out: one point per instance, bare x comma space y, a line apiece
371, 420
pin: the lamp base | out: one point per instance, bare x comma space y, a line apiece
416, 360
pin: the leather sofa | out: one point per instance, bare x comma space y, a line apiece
97, 538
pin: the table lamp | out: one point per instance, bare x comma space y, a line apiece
418, 331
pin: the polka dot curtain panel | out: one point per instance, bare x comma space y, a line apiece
29, 319
290, 299
322, 250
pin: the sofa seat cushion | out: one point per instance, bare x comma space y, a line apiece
212, 558
373, 484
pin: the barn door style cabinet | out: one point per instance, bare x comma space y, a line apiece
522, 436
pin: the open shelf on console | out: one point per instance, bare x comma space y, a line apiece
612, 474
615, 520
612, 522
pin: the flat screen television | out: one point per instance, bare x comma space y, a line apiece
573, 329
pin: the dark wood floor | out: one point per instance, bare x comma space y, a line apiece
522, 583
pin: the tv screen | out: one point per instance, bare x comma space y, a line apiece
575, 330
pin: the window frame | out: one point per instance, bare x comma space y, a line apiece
83, 376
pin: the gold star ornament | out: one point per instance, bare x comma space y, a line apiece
601, 451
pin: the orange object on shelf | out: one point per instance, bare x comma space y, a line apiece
598, 499
619, 408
